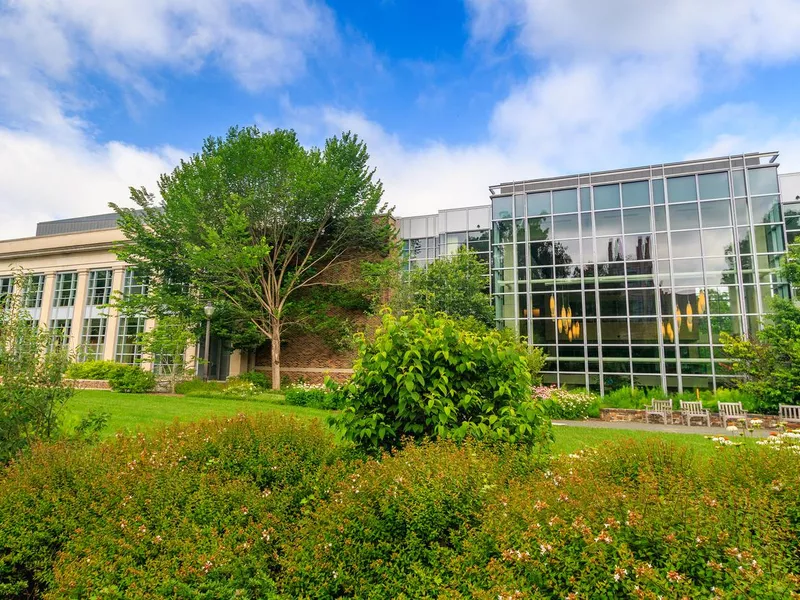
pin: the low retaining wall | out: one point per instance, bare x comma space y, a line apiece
90, 384
638, 416
309, 374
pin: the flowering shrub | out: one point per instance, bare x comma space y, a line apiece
788, 441
561, 403
314, 395
131, 379
241, 389
269, 507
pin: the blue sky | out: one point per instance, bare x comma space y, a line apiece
451, 96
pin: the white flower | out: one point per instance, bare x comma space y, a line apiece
732, 428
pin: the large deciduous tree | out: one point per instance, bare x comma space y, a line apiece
255, 223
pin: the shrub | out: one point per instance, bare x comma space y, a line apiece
424, 375
92, 369
241, 389
257, 378
315, 396
561, 403
132, 379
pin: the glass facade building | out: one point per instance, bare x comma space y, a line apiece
629, 277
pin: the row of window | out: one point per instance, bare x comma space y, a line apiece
93, 338
65, 288
688, 188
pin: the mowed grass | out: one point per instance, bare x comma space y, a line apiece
131, 413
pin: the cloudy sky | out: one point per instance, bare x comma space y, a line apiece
99, 95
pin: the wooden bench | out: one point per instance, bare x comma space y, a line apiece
788, 413
694, 410
659, 408
732, 411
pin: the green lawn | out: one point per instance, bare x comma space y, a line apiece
139, 412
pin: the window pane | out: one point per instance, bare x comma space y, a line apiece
614, 331
568, 252
613, 303
763, 181
541, 253
642, 302
519, 206
716, 214
501, 207
660, 213
658, 191
714, 185
681, 189
608, 223
738, 183
636, 220
565, 226
606, 196
684, 216
742, 214
586, 195
636, 193
565, 201
685, 243
540, 228
769, 238
539, 204
504, 256
638, 247
586, 224
644, 331
503, 232
718, 242
766, 209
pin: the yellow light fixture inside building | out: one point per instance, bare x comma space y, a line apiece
670, 333
560, 326
689, 313
679, 316
552, 305
701, 302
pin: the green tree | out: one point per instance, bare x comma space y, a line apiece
769, 362
166, 344
255, 223
427, 375
32, 366
457, 285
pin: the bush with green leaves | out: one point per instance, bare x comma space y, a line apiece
132, 379
257, 378
33, 361
241, 389
322, 396
198, 387
92, 369
561, 403
424, 375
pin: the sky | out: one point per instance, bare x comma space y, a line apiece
450, 96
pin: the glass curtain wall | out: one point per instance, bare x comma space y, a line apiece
632, 283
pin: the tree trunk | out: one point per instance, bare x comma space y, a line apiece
276, 354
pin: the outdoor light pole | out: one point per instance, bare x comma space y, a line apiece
209, 310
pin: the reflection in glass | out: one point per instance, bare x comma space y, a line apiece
681, 189
769, 238
503, 256
766, 209
521, 230
614, 331
609, 249
717, 242
638, 247
763, 181
636, 193
685, 243
613, 303
658, 191
738, 183
644, 331
586, 199
684, 216
636, 220
569, 253
565, 226
716, 214
742, 214
642, 302
565, 201
606, 196
504, 307
660, 214
586, 224
501, 207
540, 228
608, 223
503, 232
539, 204
713, 185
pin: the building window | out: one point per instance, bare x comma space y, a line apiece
129, 350
65, 288
34, 288
99, 290
6, 289
134, 284
62, 329
93, 339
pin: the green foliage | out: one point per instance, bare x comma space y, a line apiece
33, 391
426, 376
252, 223
315, 396
166, 346
92, 369
637, 398
241, 389
457, 285
257, 378
270, 507
561, 403
132, 379
199, 387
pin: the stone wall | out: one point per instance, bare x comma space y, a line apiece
90, 384
634, 415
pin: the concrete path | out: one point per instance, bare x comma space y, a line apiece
654, 427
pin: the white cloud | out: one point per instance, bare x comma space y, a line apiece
42, 179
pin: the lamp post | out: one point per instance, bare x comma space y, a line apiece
209, 310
